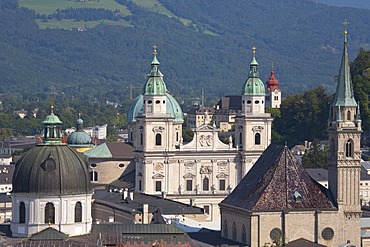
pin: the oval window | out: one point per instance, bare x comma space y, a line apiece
149, 101
248, 102
93, 165
121, 165
157, 102
256, 102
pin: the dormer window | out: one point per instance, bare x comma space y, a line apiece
297, 196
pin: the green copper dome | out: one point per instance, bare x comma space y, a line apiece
155, 84
79, 137
254, 86
51, 168
172, 107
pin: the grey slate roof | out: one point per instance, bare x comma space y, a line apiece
155, 203
49, 234
278, 182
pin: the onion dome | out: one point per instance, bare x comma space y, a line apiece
172, 107
79, 137
272, 83
51, 168
254, 86
155, 84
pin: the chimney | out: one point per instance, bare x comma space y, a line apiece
145, 215
125, 194
131, 195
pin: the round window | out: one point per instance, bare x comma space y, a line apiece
327, 233
121, 165
276, 234
49, 165
93, 165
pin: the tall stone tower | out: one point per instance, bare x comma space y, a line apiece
155, 119
252, 124
344, 156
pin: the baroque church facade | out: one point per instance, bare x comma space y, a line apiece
204, 171
278, 203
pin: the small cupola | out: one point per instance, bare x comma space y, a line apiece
52, 133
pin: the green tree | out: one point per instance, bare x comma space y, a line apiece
316, 157
303, 116
361, 82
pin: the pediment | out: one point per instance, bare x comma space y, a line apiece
158, 176
189, 175
222, 175
206, 127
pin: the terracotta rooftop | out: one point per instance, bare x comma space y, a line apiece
278, 182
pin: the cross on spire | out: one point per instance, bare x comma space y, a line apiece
254, 49
155, 49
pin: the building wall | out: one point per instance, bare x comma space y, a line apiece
307, 224
106, 171
64, 214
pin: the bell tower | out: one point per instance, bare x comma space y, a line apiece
344, 154
252, 124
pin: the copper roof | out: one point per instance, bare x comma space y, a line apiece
278, 182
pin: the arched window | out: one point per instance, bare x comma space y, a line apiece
141, 138
49, 213
78, 212
348, 115
240, 139
234, 232
225, 230
22, 213
349, 148
206, 184
158, 139
244, 234
93, 176
332, 148
257, 139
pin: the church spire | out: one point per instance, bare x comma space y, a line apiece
253, 73
344, 95
155, 84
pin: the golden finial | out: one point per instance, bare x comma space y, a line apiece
155, 50
52, 109
345, 24
49, 222
79, 115
254, 50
